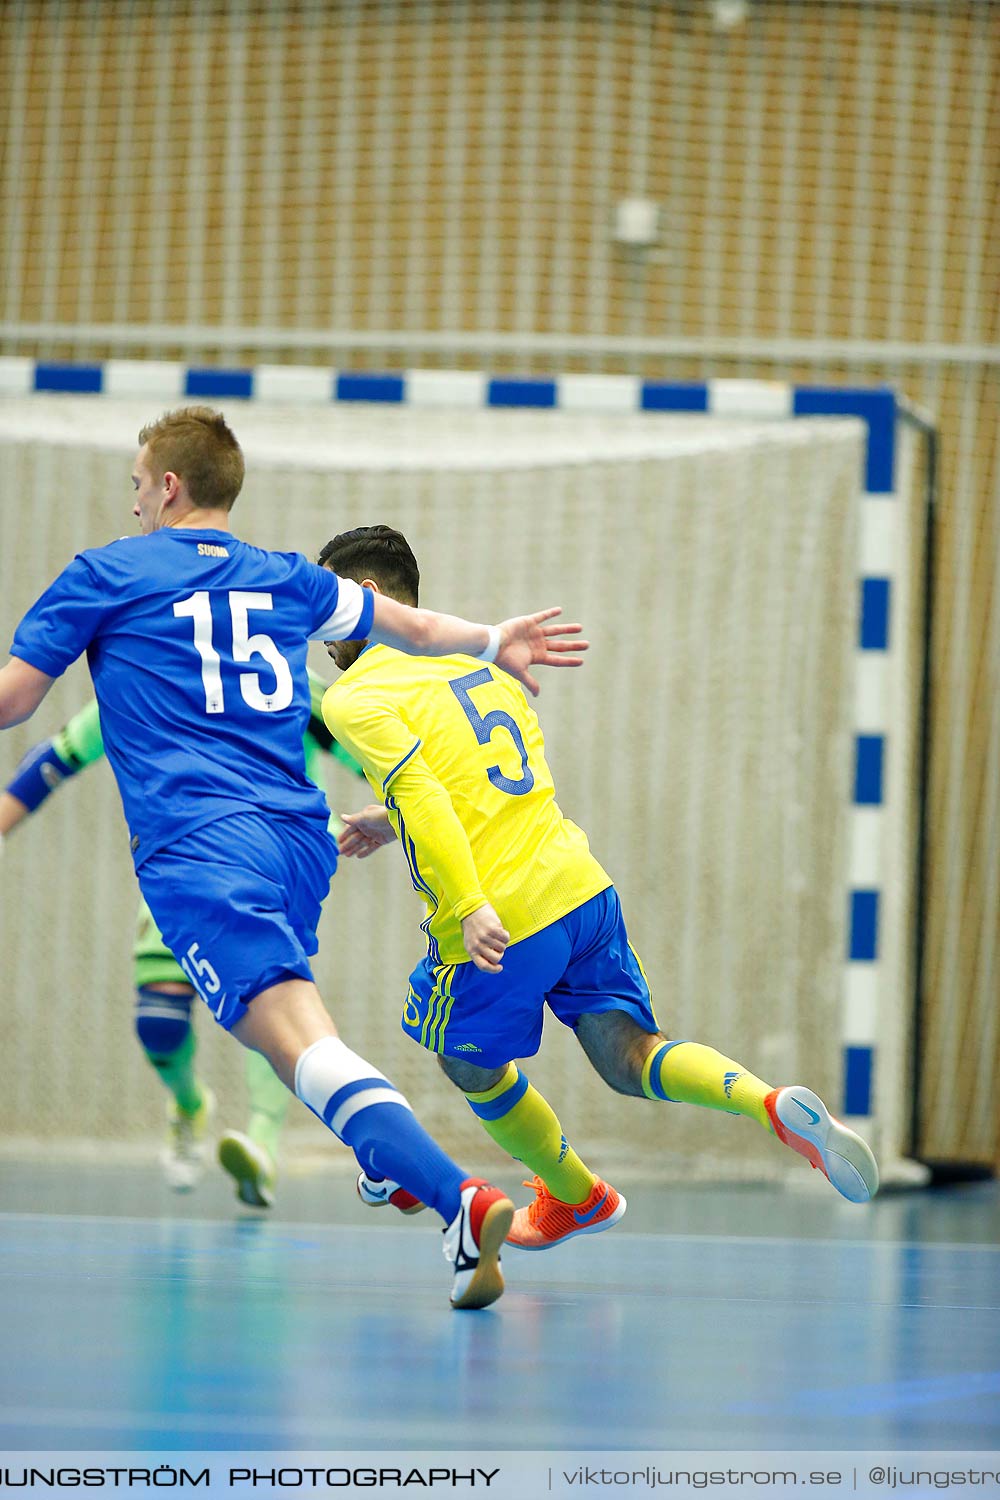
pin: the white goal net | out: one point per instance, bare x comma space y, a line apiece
705, 747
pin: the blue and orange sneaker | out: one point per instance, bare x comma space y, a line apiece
548, 1221
802, 1121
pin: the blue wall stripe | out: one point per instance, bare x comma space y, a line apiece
877, 407
658, 395
875, 596
863, 939
234, 384
868, 764
88, 379
521, 393
857, 1080
365, 387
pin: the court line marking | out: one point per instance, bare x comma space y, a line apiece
288, 1227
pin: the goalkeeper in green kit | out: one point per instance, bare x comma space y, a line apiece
165, 994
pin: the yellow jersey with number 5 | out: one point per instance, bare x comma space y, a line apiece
453, 750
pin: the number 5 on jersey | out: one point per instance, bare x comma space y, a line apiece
245, 646
486, 724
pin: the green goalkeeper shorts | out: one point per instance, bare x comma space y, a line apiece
153, 961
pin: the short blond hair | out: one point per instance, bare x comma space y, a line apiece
196, 444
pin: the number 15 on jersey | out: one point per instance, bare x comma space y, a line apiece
198, 607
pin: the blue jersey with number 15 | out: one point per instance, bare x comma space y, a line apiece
197, 646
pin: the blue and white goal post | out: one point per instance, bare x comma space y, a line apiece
877, 899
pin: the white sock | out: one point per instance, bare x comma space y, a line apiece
336, 1083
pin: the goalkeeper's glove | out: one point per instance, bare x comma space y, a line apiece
38, 774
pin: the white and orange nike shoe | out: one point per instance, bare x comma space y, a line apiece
802, 1121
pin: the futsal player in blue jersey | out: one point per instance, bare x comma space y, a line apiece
164, 996
196, 643
521, 918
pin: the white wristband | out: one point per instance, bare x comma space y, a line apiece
489, 651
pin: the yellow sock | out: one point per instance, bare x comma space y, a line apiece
689, 1073
524, 1124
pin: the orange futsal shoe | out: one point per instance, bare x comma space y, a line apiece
548, 1221
801, 1120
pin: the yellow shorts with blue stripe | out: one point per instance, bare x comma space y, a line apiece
577, 966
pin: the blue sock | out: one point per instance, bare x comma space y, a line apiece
389, 1141
365, 1111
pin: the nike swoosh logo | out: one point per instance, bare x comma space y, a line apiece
813, 1116
591, 1213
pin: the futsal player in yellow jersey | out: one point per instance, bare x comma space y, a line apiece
521, 915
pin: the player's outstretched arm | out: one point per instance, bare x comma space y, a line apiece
536, 640
22, 688
47, 765
516, 645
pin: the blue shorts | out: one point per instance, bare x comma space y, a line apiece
580, 965
238, 903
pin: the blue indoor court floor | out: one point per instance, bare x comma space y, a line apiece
711, 1318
